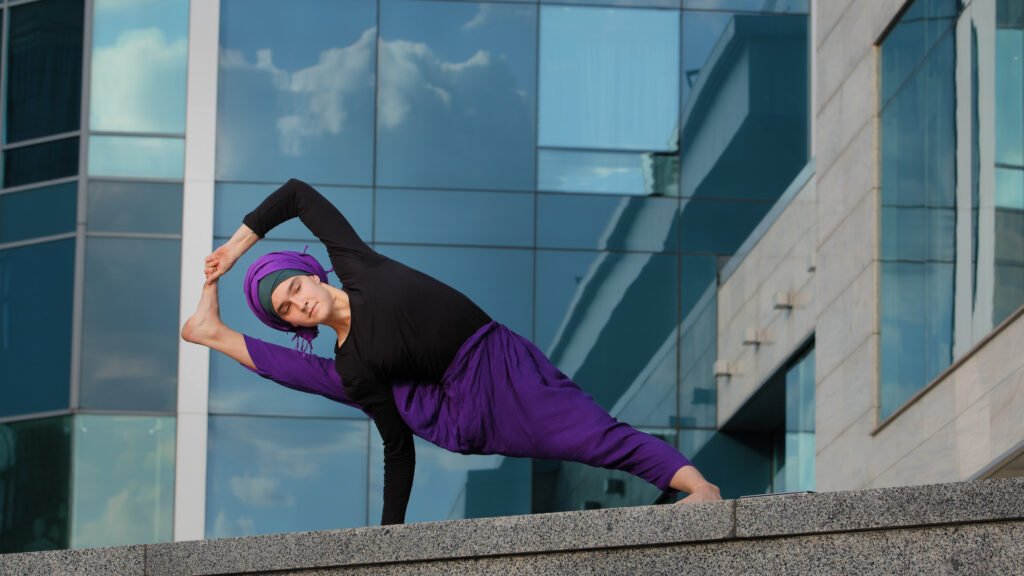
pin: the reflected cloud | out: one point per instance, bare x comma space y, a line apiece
320, 90
260, 491
139, 82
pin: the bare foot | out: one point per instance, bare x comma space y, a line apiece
205, 322
702, 493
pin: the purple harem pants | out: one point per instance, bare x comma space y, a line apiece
500, 395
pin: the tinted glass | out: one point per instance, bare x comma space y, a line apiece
456, 98
909, 41
123, 481
139, 56
148, 207
41, 162
718, 227
603, 318
794, 6
609, 78
698, 350
130, 156
35, 354
295, 93
434, 217
1009, 244
130, 324
499, 281
745, 103
269, 475
39, 212
44, 69
35, 467
631, 3
236, 390
641, 174
795, 468
453, 486
606, 222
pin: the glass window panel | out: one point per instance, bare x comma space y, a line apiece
609, 78
646, 174
235, 389
272, 475
39, 212
500, 281
919, 234
698, 394
35, 468
604, 319
745, 119
1009, 80
919, 135
123, 481
1009, 189
719, 227
139, 56
130, 324
606, 222
917, 328
35, 341
233, 201
435, 217
452, 486
295, 93
1008, 283
910, 39
776, 6
41, 162
149, 207
798, 452
670, 4
44, 69
457, 97
131, 156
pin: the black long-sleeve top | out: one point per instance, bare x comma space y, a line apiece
406, 326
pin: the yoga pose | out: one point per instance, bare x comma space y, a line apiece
417, 356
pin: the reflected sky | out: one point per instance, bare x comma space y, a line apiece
441, 217
271, 475
136, 157
448, 486
236, 390
139, 59
1009, 80
633, 173
130, 324
123, 480
36, 273
606, 222
295, 94
456, 98
609, 78
773, 6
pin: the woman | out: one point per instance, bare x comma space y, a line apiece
417, 356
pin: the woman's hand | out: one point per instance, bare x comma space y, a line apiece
218, 263
223, 258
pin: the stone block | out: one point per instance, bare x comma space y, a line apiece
123, 560
847, 392
846, 321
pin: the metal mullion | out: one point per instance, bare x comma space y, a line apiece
140, 179
134, 235
6, 35
121, 133
38, 240
42, 139
38, 185
34, 416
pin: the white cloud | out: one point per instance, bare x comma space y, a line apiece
260, 491
138, 83
481, 17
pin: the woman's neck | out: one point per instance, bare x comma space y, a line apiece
341, 312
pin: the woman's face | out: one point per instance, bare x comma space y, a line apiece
302, 301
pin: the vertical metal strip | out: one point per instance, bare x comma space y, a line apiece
196, 242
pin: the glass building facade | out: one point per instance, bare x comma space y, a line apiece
580, 170
952, 180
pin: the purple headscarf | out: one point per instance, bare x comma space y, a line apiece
273, 262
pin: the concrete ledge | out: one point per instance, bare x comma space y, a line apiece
961, 528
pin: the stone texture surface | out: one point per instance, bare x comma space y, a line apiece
432, 541
972, 549
125, 560
1001, 499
